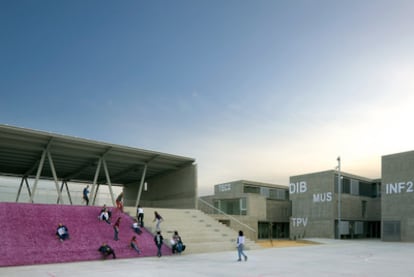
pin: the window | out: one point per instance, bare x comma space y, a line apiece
217, 205
278, 194
376, 190
265, 192
358, 187
367, 189
271, 193
224, 187
237, 206
263, 230
243, 206
346, 185
251, 189
354, 187
358, 227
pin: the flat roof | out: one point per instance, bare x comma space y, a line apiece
254, 183
76, 159
343, 173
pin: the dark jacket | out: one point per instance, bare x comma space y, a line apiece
158, 239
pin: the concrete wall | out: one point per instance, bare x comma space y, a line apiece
313, 205
278, 211
398, 197
228, 190
352, 208
256, 206
177, 189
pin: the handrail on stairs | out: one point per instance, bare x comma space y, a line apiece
225, 214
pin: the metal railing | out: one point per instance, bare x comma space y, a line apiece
235, 224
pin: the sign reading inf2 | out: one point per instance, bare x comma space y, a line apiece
399, 187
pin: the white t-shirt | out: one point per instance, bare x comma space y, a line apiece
240, 240
104, 216
61, 231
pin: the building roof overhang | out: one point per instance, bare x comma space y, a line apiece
76, 159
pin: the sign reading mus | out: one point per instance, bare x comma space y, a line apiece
399, 187
322, 197
298, 187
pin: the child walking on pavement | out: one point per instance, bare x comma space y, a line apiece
240, 246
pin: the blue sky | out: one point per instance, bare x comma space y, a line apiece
257, 90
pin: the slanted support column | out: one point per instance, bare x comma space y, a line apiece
94, 196
39, 171
52, 168
20, 189
67, 189
141, 185
95, 180
24, 179
108, 179
65, 183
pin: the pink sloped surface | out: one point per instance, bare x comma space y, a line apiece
27, 235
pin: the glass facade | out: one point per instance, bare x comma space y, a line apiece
236, 206
273, 230
270, 193
358, 187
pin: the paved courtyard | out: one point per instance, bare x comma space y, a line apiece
329, 258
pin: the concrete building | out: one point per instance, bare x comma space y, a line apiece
398, 197
261, 210
366, 208
317, 207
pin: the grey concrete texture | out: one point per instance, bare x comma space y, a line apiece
329, 258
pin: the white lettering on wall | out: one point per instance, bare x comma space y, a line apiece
299, 221
322, 197
400, 187
298, 187
224, 187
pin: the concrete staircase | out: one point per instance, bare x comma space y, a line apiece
199, 232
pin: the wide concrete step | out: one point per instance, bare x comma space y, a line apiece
200, 232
